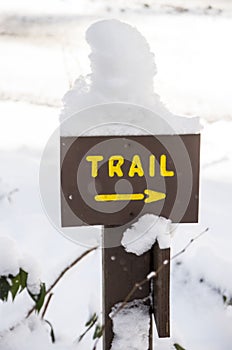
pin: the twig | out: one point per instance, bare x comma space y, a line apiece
154, 274
189, 243
63, 273
8, 195
97, 340
88, 329
69, 267
46, 305
52, 333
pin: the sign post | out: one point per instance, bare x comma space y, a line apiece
114, 180
161, 291
120, 273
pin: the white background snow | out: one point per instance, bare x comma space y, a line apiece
43, 51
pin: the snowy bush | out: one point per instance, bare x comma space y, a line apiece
20, 273
13, 277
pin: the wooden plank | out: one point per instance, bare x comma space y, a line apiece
161, 292
121, 270
80, 205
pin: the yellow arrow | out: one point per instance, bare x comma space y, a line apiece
152, 196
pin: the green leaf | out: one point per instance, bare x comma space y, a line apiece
41, 297
15, 284
89, 324
178, 347
92, 320
4, 288
98, 331
23, 279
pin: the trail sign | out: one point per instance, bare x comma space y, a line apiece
112, 180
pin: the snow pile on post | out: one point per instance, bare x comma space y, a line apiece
131, 326
123, 69
139, 238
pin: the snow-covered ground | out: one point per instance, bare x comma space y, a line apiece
44, 49
42, 53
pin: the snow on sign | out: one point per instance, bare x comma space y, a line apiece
113, 180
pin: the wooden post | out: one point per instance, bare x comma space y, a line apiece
161, 291
121, 270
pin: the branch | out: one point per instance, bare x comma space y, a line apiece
154, 274
46, 305
189, 244
76, 261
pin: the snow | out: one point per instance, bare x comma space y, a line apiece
6, 192
33, 334
32, 267
30, 121
122, 70
48, 41
193, 57
151, 275
131, 326
139, 238
9, 264
164, 344
201, 317
11, 261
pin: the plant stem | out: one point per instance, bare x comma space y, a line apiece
76, 261
46, 305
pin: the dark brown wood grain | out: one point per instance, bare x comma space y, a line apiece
121, 270
78, 204
161, 291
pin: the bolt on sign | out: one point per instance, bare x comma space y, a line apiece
113, 180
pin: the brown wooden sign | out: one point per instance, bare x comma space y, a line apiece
112, 180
